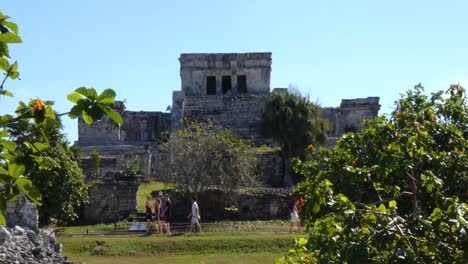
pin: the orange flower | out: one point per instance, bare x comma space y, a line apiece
353, 162
433, 117
459, 152
310, 146
398, 135
38, 105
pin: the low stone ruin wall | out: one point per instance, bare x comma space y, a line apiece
21, 212
23, 245
111, 201
270, 168
257, 204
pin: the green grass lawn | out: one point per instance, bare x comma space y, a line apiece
226, 227
177, 259
205, 248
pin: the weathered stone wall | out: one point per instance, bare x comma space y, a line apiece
114, 158
138, 128
354, 111
103, 132
176, 111
142, 127
350, 114
258, 204
109, 201
242, 114
270, 168
196, 67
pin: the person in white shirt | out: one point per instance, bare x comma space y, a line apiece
194, 216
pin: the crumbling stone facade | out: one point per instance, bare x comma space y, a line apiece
230, 89
111, 201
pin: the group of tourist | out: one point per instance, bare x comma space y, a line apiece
160, 214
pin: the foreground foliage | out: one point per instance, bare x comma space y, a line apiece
394, 193
26, 151
61, 182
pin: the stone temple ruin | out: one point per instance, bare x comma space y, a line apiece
229, 88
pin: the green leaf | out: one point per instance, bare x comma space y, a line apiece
3, 16
382, 208
113, 115
423, 177
6, 93
9, 37
3, 171
107, 96
15, 170
31, 191
4, 134
8, 145
74, 97
302, 242
392, 204
87, 118
4, 64
89, 93
11, 26
14, 75
436, 214
2, 219
50, 113
39, 146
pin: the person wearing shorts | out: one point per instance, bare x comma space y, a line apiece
148, 215
194, 216
166, 214
295, 221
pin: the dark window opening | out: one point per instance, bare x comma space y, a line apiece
241, 84
211, 85
226, 84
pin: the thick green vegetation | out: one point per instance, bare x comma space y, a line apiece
292, 120
396, 192
61, 182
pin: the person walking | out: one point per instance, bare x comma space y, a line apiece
157, 218
148, 215
295, 221
194, 216
166, 208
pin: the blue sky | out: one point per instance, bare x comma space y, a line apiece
329, 49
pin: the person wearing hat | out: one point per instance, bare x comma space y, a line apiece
148, 214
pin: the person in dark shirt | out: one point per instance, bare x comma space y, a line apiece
166, 214
148, 214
